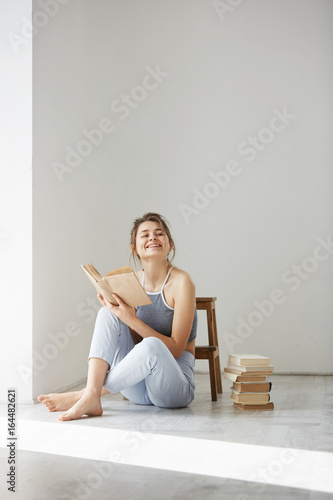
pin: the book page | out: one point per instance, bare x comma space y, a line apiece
92, 271
121, 270
122, 282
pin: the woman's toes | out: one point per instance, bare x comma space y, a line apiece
64, 417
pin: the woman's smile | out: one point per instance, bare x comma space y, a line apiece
153, 245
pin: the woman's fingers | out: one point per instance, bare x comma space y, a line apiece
113, 307
117, 299
101, 299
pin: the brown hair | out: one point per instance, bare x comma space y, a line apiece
154, 217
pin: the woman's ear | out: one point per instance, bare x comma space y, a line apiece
172, 249
133, 251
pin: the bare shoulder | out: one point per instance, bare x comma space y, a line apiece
181, 279
179, 288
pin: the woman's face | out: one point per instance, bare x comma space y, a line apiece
151, 240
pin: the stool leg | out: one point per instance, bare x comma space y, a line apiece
218, 375
212, 378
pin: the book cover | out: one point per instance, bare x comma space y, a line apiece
250, 397
122, 282
252, 387
244, 378
240, 371
244, 406
256, 368
248, 360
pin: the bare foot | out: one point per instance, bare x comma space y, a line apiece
89, 404
62, 401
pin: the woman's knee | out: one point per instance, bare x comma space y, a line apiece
104, 311
153, 345
105, 315
106, 321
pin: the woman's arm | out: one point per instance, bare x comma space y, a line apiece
135, 336
184, 305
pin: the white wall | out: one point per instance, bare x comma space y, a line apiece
223, 77
15, 201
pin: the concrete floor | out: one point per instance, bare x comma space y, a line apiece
206, 451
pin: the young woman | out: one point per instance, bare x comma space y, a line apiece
146, 353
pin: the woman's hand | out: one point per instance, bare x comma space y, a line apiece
101, 299
124, 312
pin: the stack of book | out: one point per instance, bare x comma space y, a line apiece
250, 389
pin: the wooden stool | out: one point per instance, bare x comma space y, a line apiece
211, 351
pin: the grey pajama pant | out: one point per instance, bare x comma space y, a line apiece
145, 373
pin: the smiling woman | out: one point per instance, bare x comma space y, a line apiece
146, 353
151, 224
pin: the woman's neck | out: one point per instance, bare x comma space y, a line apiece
155, 274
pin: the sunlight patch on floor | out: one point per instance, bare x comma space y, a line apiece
264, 464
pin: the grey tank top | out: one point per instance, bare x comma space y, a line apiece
158, 315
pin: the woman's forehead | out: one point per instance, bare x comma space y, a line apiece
149, 226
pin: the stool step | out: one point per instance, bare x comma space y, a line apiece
206, 348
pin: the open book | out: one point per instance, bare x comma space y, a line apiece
123, 282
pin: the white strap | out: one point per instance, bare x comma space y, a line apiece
166, 279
